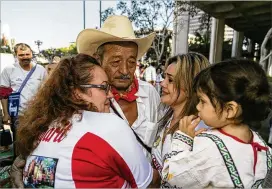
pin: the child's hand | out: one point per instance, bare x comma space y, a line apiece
188, 124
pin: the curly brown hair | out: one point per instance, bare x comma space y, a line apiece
55, 100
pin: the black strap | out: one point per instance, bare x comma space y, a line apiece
141, 142
137, 137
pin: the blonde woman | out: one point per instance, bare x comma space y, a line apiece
178, 100
232, 94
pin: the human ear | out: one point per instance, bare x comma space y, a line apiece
233, 110
79, 95
76, 94
97, 57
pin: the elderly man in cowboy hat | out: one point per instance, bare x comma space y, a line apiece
118, 50
135, 101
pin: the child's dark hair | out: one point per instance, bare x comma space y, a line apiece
240, 80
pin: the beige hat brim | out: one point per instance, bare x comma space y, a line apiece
89, 40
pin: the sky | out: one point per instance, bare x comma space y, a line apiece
55, 23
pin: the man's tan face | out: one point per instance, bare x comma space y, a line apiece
119, 62
24, 56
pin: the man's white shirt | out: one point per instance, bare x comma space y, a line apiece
13, 76
145, 125
150, 74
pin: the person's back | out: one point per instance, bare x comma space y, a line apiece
93, 154
150, 74
232, 94
221, 160
73, 138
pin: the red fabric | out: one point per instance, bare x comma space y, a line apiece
255, 146
237, 139
5, 92
128, 96
96, 164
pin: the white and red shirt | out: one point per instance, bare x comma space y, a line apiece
98, 151
216, 159
161, 148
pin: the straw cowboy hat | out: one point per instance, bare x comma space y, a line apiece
115, 28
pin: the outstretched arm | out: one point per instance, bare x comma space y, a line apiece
16, 172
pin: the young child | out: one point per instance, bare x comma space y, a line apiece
232, 94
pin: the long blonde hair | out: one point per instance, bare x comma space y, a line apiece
187, 67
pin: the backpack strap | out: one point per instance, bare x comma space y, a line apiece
27, 78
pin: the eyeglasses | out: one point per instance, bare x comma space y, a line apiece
105, 87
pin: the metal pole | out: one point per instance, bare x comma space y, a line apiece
83, 14
100, 12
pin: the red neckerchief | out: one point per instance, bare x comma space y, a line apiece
129, 95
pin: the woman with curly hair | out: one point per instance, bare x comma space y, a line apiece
68, 135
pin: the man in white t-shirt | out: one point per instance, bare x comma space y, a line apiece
13, 76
